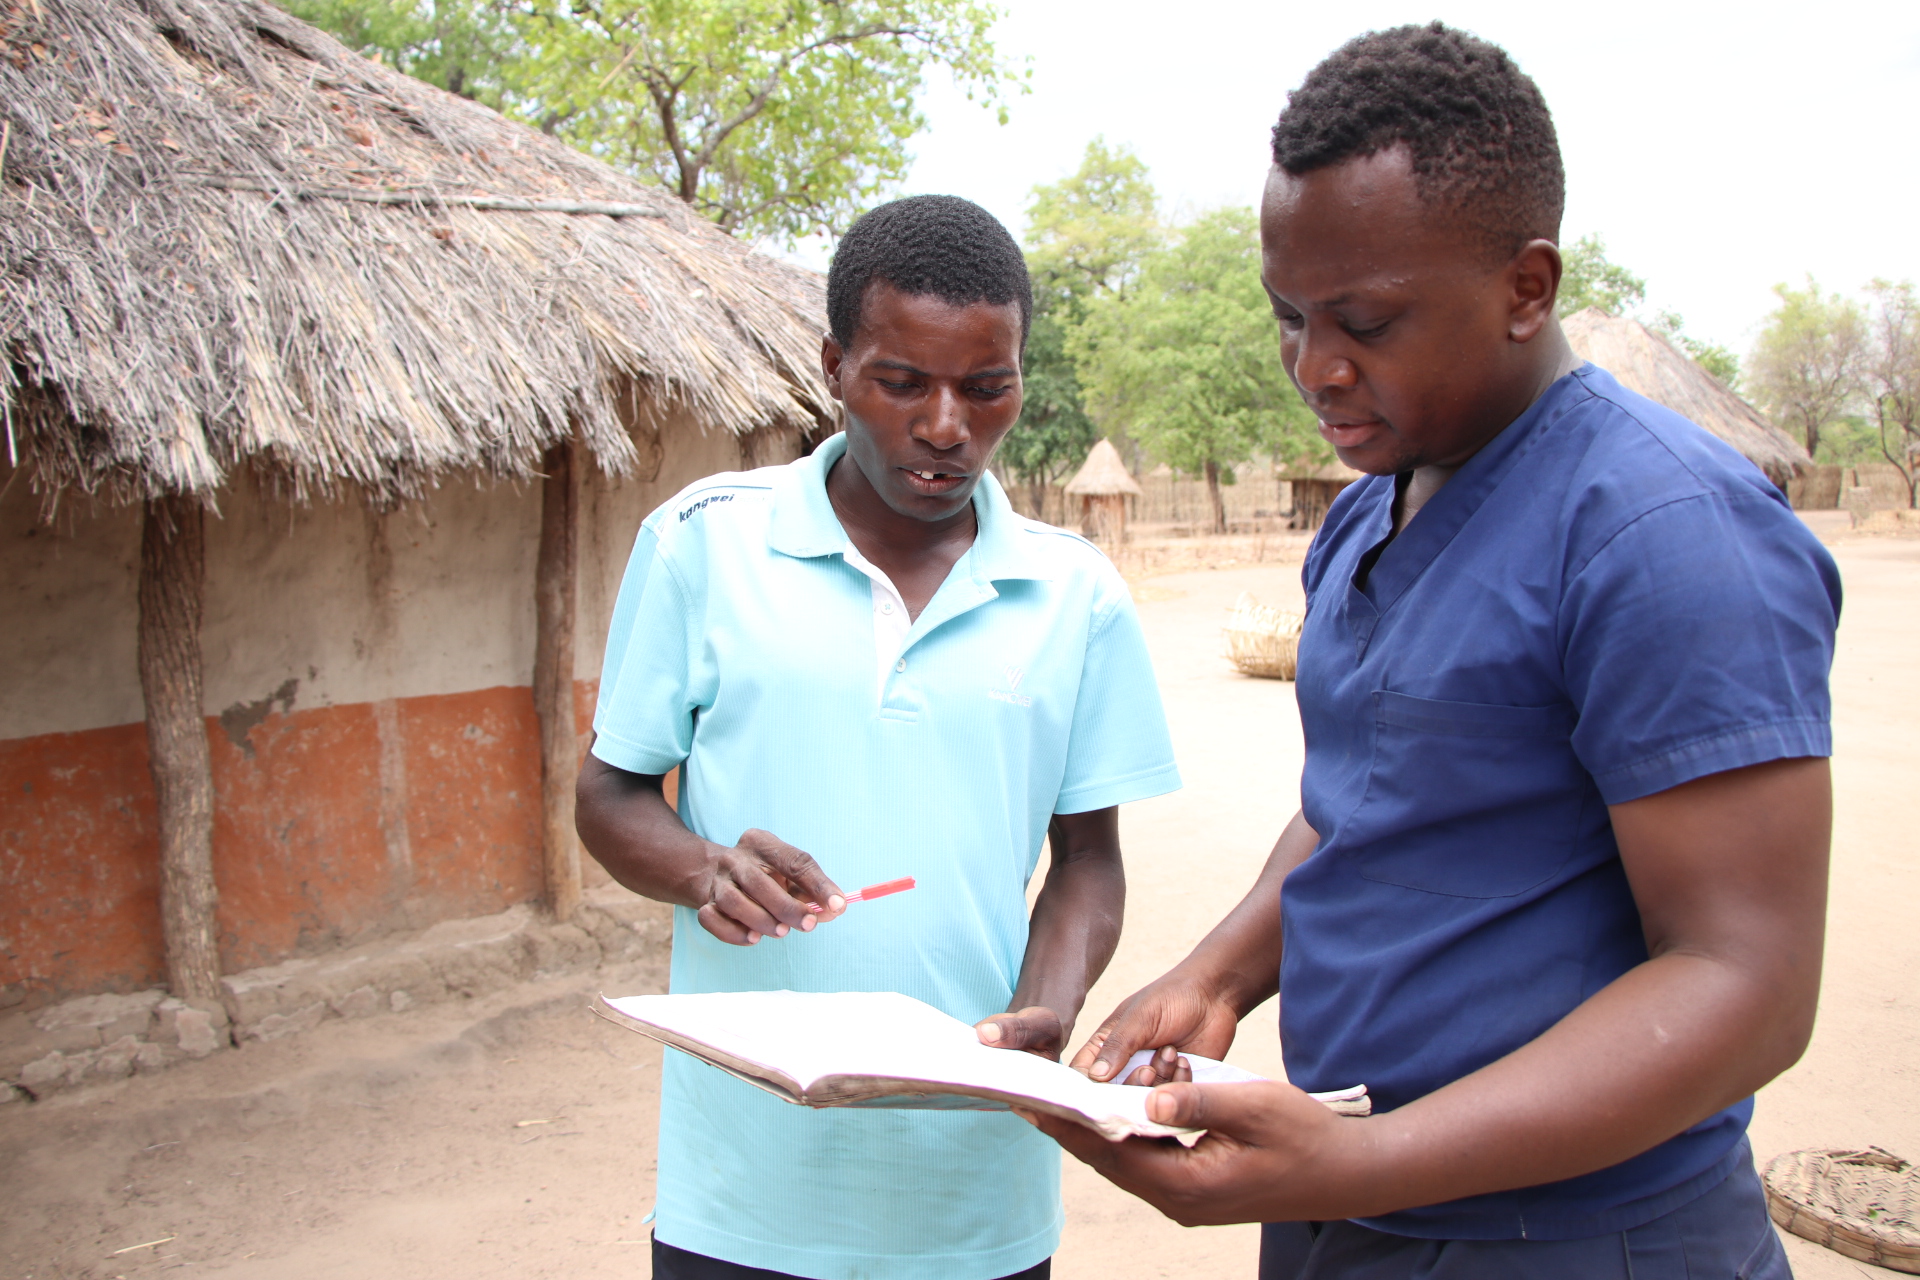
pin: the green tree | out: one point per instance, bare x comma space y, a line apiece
1054, 432
1088, 232
1849, 441
1805, 367
1086, 235
1188, 359
1589, 279
464, 46
1715, 359
1891, 370
775, 118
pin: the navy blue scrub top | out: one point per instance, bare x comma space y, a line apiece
1604, 603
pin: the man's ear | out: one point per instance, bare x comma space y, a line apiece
1535, 273
830, 357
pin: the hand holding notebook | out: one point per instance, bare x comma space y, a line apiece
882, 1049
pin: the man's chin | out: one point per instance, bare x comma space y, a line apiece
1376, 458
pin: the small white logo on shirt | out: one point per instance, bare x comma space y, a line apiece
1011, 693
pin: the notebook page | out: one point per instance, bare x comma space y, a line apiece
810, 1036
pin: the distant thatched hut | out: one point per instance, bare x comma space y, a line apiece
1315, 485
1646, 362
332, 404
1103, 486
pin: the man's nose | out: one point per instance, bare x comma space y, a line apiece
944, 424
1319, 366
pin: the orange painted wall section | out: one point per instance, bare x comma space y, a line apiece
79, 867
331, 824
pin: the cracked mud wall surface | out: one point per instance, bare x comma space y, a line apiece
375, 751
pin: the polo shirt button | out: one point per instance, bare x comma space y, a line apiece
886, 606
900, 665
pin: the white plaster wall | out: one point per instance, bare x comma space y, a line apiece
353, 605
357, 606
68, 613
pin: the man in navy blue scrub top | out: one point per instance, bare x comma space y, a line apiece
1556, 890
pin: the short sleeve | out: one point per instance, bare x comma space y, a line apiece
1698, 639
644, 719
1118, 750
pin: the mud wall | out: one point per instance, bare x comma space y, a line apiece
375, 751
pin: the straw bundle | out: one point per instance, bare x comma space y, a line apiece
224, 237
1262, 640
1863, 1204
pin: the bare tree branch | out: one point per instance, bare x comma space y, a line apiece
758, 102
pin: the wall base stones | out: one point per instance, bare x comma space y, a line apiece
110, 1037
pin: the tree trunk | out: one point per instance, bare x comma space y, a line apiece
173, 569
554, 600
1213, 495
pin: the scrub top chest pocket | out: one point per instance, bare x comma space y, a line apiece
1439, 768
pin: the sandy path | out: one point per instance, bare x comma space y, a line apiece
394, 1146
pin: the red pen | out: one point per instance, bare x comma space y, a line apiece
871, 892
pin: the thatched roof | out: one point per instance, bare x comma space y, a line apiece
1103, 474
1646, 362
1306, 468
225, 238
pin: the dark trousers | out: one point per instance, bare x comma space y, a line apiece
1723, 1235
670, 1263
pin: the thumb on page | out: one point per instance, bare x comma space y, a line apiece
1258, 1113
1036, 1029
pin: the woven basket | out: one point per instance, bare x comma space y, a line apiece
1863, 1204
1262, 640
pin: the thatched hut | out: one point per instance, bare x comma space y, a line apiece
1103, 486
332, 403
1314, 486
1647, 362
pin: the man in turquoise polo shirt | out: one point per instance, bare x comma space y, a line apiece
867, 667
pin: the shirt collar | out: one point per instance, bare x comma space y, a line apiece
803, 522
1448, 511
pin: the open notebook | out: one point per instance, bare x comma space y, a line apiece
881, 1049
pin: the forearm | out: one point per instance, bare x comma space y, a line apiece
625, 822
1077, 917
1240, 959
1729, 875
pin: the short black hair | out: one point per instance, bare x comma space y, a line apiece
942, 246
1480, 136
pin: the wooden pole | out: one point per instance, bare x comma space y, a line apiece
554, 602
173, 568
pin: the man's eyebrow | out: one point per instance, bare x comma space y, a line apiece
1340, 301
904, 367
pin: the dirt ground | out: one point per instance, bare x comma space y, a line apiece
512, 1136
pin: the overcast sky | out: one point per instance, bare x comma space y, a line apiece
1718, 148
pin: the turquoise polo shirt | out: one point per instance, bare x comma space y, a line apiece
743, 652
